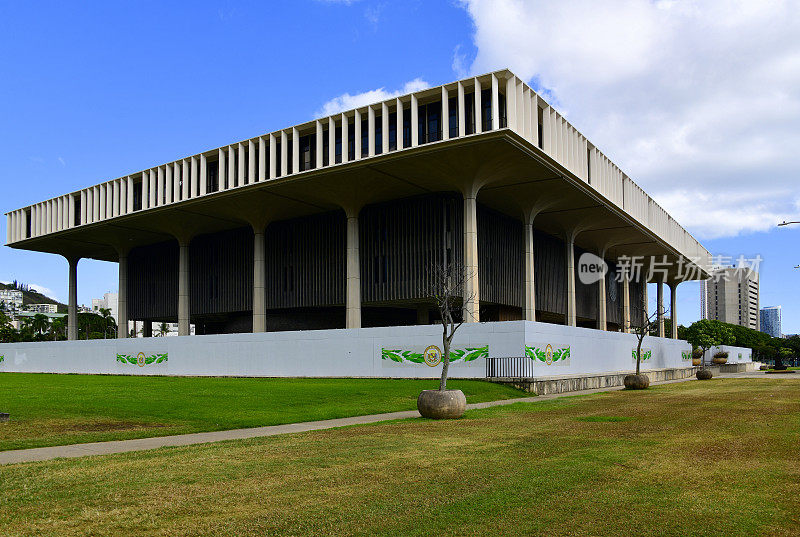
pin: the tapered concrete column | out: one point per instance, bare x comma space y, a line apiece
673, 309
72, 306
445, 121
357, 135
601, 301
122, 296
345, 139
384, 128
370, 131
660, 307
569, 245
251, 162
471, 289
233, 179
461, 115
530, 283
262, 159
626, 303
331, 141
320, 138
183, 288
353, 297
259, 281
203, 180
414, 121
222, 164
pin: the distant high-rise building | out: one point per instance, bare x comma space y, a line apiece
771, 320
11, 300
731, 296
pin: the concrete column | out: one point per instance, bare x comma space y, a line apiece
295, 150
129, 199
399, 126
273, 156
471, 289
193, 165
122, 296
370, 131
569, 244
103, 213
478, 115
445, 114
645, 305
222, 164
284, 154
331, 141
72, 306
71, 209
259, 281
160, 186
384, 128
626, 303
511, 104
241, 163
185, 177
414, 121
673, 307
251, 162
353, 298
183, 288
176, 181
496, 103
345, 139
530, 282
319, 139
123, 196
153, 190
83, 206
262, 159
233, 180
462, 127
601, 301
202, 182
660, 307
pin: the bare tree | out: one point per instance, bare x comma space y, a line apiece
446, 287
642, 325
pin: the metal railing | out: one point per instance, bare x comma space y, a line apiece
509, 367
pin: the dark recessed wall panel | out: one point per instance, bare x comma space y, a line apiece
153, 282
500, 259
221, 272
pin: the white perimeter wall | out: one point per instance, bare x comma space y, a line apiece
348, 352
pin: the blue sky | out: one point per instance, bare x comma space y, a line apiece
98, 90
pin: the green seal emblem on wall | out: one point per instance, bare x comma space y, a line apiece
142, 359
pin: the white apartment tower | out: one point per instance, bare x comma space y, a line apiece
731, 296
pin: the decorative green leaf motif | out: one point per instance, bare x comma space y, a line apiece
646, 354
3, 358
141, 360
558, 355
467, 354
686, 355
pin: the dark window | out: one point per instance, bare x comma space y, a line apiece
326, 147
212, 182
429, 122
452, 109
378, 135
289, 157
307, 153
278, 159
407, 128
351, 141
486, 110
393, 131
501, 100
338, 144
137, 196
540, 129
469, 113
364, 138
76, 221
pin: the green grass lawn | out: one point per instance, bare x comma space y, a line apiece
696, 458
51, 410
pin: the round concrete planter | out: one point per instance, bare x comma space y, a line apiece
636, 382
438, 405
704, 374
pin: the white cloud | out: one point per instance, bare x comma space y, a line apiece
62, 161
699, 101
347, 102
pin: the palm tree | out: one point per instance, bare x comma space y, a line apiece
107, 320
40, 323
57, 327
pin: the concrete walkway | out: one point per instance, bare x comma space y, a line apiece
141, 444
